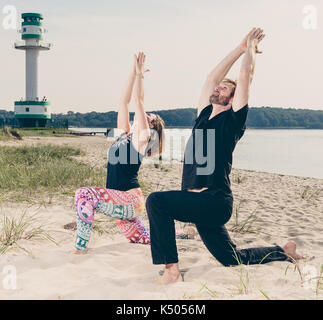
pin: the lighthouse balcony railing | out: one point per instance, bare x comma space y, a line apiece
23, 45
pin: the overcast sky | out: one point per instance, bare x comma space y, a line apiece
94, 42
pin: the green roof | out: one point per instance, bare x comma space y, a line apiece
37, 15
31, 36
32, 103
32, 23
32, 116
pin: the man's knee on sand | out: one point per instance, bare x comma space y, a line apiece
229, 261
153, 200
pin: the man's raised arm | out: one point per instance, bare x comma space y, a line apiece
219, 73
241, 95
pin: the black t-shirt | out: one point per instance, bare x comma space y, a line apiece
208, 152
123, 164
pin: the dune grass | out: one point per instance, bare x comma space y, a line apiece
212, 293
310, 193
237, 178
23, 227
8, 133
246, 225
243, 275
264, 294
45, 132
30, 171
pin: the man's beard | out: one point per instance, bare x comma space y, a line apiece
217, 99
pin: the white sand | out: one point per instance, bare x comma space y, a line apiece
117, 269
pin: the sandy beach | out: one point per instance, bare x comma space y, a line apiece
279, 208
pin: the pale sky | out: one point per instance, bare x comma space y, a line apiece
94, 42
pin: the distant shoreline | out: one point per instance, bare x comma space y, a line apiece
258, 118
190, 127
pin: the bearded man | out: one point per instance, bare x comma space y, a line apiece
206, 198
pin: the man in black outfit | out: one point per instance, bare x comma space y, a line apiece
206, 197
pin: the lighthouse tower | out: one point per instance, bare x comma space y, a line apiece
33, 111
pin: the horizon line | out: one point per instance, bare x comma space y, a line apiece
178, 108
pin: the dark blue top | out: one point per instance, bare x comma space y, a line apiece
123, 164
208, 153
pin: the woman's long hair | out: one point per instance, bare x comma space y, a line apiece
157, 139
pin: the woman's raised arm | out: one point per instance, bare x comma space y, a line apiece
142, 134
123, 122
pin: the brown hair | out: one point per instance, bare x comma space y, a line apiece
159, 126
234, 83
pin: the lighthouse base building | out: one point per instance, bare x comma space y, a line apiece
33, 111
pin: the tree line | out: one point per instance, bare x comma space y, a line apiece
258, 117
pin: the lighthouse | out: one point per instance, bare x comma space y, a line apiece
34, 111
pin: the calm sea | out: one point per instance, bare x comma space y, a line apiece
292, 152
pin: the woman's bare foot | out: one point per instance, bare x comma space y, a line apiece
290, 250
75, 251
170, 275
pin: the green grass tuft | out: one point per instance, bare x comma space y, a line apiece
246, 225
24, 227
8, 133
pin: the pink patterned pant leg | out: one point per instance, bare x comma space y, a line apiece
122, 205
133, 229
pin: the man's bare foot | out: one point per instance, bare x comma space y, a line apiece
290, 250
170, 275
168, 278
75, 251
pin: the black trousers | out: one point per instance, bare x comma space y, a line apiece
209, 212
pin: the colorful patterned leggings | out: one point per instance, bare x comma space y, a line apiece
124, 206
